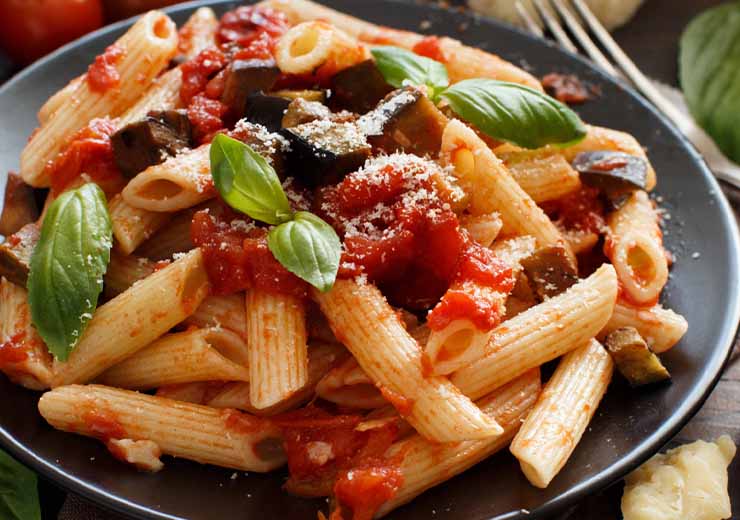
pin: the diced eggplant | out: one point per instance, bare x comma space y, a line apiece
359, 88
270, 145
15, 254
150, 141
549, 271
322, 152
405, 120
266, 110
615, 173
633, 357
300, 111
245, 77
308, 95
20, 205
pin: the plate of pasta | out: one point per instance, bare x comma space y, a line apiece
285, 258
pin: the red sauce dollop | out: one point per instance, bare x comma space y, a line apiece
247, 23
237, 257
365, 489
321, 446
582, 210
14, 350
430, 47
103, 74
88, 151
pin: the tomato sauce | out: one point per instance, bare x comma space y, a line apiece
103, 425
363, 490
88, 151
320, 447
103, 74
431, 48
237, 257
402, 404
582, 210
246, 24
14, 350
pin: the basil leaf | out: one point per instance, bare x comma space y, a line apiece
67, 267
247, 182
309, 248
19, 496
514, 113
401, 67
709, 61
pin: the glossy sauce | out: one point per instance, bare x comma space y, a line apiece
430, 47
14, 350
103, 425
103, 74
88, 151
582, 210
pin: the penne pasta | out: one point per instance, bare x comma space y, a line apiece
144, 50
492, 188
207, 435
182, 357
225, 311
172, 239
132, 226
348, 385
135, 318
59, 99
276, 336
125, 270
424, 465
368, 327
179, 182
568, 402
542, 333
544, 175
24, 357
482, 228
197, 33
635, 247
661, 328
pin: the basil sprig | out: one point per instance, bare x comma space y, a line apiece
514, 113
303, 243
67, 267
401, 67
505, 111
19, 496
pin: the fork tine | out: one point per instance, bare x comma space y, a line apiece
583, 38
629, 68
529, 22
555, 28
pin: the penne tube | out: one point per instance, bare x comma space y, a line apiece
145, 50
276, 336
225, 311
557, 422
362, 319
482, 228
544, 175
196, 393
132, 226
599, 138
198, 33
492, 188
227, 438
59, 99
135, 318
182, 357
462, 62
580, 241
424, 465
180, 182
348, 385
172, 239
308, 46
542, 333
661, 328
320, 359
163, 94
24, 357
19, 208
634, 245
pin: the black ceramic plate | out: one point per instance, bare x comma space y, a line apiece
629, 426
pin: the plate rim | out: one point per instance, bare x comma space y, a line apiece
611, 475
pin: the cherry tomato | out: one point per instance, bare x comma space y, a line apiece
30, 29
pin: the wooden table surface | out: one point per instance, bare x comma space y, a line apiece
651, 39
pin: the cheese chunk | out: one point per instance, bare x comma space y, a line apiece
689, 482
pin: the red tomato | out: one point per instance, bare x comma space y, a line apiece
30, 29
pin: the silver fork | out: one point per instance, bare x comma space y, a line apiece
722, 167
